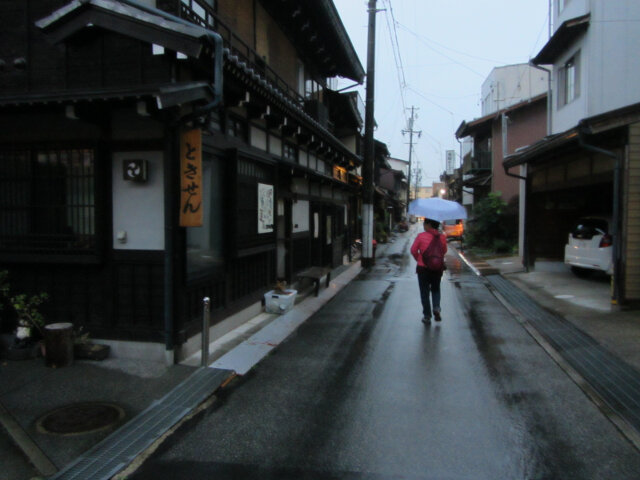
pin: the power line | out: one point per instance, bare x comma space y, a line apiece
395, 34
428, 100
410, 131
395, 48
427, 41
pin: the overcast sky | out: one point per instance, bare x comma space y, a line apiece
447, 48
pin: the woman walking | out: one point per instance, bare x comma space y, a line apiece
430, 258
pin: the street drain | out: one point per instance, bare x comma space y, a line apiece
80, 418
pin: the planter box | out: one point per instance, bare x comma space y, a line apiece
279, 302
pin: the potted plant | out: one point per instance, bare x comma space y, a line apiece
29, 332
83, 348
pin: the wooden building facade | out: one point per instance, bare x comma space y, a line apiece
153, 153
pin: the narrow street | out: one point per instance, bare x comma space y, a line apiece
365, 390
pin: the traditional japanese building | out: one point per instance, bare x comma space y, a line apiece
153, 153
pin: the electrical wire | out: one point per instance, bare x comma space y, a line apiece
427, 41
395, 48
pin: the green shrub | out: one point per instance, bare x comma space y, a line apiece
502, 246
494, 225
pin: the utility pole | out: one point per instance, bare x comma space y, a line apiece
410, 131
367, 259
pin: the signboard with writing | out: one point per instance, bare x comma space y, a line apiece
451, 161
340, 173
191, 178
265, 208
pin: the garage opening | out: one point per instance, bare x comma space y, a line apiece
553, 213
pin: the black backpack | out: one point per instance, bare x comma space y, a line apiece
433, 256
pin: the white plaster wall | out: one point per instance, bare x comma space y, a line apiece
258, 138
401, 165
300, 216
610, 66
614, 69
511, 84
303, 158
572, 8
350, 142
138, 208
275, 145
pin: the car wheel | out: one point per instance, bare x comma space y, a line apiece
582, 272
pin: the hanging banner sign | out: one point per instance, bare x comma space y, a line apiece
265, 208
451, 161
191, 178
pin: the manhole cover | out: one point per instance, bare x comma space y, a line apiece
81, 418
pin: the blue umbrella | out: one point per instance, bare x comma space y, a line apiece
437, 209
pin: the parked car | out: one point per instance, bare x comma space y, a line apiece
590, 246
453, 229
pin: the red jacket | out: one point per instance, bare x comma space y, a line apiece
421, 243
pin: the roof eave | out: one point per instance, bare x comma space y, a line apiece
124, 19
564, 36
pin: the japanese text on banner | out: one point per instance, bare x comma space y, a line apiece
191, 179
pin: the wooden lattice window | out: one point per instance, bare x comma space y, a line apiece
48, 201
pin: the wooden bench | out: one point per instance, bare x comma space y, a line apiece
315, 274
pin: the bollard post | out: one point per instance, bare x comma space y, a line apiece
206, 320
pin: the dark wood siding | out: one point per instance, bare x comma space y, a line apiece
138, 295
91, 59
123, 299
301, 252
76, 294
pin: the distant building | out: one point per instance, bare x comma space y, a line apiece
512, 84
494, 136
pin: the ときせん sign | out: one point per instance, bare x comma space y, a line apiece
191, 178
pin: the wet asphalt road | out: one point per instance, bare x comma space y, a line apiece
363, 390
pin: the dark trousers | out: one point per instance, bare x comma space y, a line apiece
429, 283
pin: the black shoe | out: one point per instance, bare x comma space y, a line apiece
426, 320
437, 316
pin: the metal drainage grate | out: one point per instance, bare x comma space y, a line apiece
121, 447
617, 383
